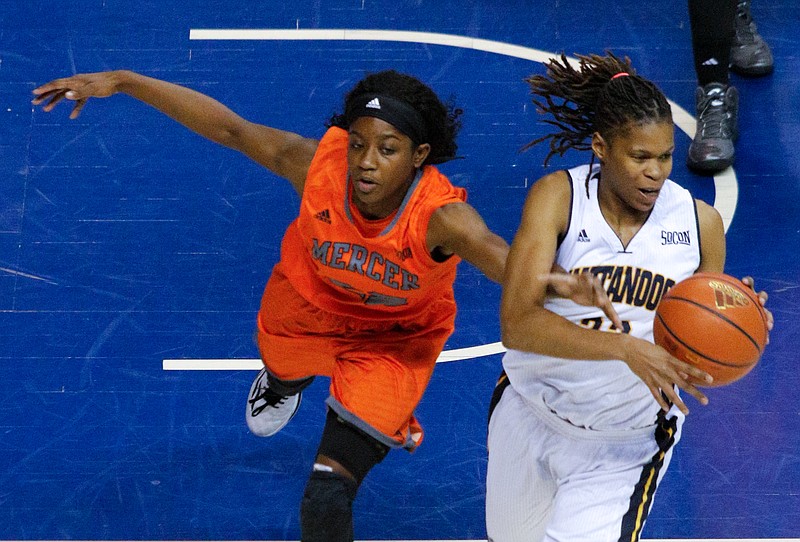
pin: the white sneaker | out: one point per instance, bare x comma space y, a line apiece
267, 412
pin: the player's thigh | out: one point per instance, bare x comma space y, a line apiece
295, 338
593, 508
519, 488
600, 508
608, 494
381, 382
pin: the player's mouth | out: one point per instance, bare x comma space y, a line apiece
365, 185
649, 194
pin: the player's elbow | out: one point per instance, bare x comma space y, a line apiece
521, 326
230, 135
512, 334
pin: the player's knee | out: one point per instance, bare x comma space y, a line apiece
326, 512
353, 449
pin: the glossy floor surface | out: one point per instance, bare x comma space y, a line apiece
126, 241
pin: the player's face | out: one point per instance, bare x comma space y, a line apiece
381, 162
636, 162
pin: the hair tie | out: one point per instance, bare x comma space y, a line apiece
620, 74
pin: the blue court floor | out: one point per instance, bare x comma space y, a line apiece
126, 241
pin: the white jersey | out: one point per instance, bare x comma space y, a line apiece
607, 395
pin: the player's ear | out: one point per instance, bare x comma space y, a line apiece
421, 153
599, 147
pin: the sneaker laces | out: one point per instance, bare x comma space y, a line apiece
745, 26
714, 116
270, 398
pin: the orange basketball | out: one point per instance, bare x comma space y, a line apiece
714, 322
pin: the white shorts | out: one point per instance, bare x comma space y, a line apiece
550, 481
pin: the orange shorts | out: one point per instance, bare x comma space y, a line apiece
378, 369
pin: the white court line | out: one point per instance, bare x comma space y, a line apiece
725, 183
256, 364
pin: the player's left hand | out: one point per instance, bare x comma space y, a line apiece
583, 289
762, 296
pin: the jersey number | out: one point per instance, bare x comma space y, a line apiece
602, 324
372, 298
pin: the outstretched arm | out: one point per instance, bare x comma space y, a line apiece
284, 153
457, 228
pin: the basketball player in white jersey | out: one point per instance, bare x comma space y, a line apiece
587, 412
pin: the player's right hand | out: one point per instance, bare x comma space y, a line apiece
661, 372
78, 88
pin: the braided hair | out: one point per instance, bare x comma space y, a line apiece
603, 95
442, 122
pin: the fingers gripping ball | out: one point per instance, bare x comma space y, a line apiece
714, 322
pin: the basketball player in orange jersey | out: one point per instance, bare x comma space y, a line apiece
363, 290
586, 414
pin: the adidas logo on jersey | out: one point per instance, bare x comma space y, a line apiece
325, 216
583, 237
374, 103
711, 62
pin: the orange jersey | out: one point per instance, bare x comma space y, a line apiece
347, 265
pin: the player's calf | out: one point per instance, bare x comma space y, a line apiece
326, 512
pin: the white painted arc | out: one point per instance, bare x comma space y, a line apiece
725, 183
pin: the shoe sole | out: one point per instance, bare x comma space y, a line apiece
710, 167
752, 72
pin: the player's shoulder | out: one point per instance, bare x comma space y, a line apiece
707, 215
704, 207
553, 187
549, 202
555, 181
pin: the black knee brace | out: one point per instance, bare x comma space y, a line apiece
350, 447
326, 512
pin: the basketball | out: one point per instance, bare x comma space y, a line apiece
714, 322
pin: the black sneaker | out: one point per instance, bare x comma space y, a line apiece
712, 149
268, 412
750, 54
